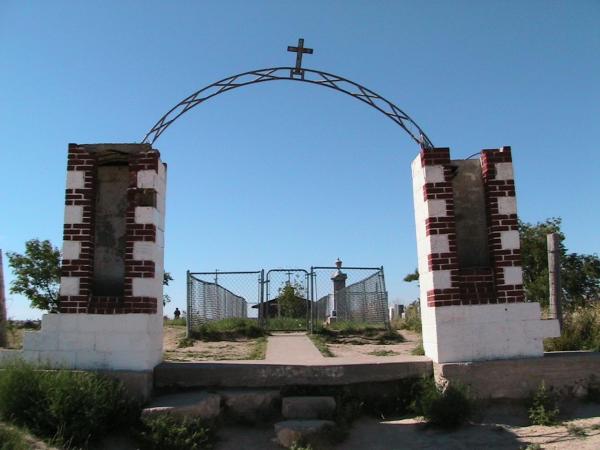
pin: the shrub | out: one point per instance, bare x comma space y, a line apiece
411, 320
446, 407
12, 439
581, 331
543, 407
228, 329
171, 432
72, 407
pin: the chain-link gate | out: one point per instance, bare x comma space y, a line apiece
287, 296
362, 297
220, 295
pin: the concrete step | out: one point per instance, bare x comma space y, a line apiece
191, 404
308, 407
251, 405
305, 431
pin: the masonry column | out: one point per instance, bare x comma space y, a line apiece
110, 298
470, 275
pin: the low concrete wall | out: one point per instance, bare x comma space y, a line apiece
570, 373
215, 374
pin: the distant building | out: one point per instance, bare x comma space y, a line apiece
396, 312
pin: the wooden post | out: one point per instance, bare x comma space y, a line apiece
3, 318
553, 240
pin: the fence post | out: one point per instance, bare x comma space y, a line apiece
2, 306
553, 240
188, 316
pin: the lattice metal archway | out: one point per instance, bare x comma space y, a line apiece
317, 77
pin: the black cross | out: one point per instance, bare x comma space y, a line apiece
299, 51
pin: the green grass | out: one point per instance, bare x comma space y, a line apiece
321, 345
12, 438
286, 324
175, 322
418, 350
383, 353
260, 349
228, 330
175, 433
71, 407
581, 331
358, 333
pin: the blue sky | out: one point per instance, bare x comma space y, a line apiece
288, 174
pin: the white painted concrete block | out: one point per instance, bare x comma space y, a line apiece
75, 179
71, 249
507, 205
73, 214
40, 340
435, 208
510, 240
57, 359
434, 174
147, 215
513, 275
147, 287
74, 341
144, 251
439, 243
441, 279
91, 360
147, 179
51, 322
69, 285
504, 171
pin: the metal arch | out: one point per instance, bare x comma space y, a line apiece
287, 73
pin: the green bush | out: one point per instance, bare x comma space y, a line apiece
286, 323
581, 331
12, 439
174, 433
411, 320
446, 407
228, 329
543, 407
72, 407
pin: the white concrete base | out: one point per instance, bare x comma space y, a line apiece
95, 341
485, 332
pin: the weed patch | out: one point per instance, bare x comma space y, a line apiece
71, 407
418, 350
446, 407
286, 324
170, 432
12, 439
581, 331
321, 345
228, 330
383, 353
543, 407
358, 333
260, 349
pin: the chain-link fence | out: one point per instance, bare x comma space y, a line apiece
221, 295
365, 299
308, 297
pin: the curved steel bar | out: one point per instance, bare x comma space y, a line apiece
329, 80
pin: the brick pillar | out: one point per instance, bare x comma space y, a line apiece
110, 299
470, 273
78, 240
439, 274
503, 230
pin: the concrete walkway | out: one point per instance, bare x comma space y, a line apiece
291, 348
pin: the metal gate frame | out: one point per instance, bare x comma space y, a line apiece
267, 281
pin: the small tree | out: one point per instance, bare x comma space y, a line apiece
166, 279
37, 274
290, 301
